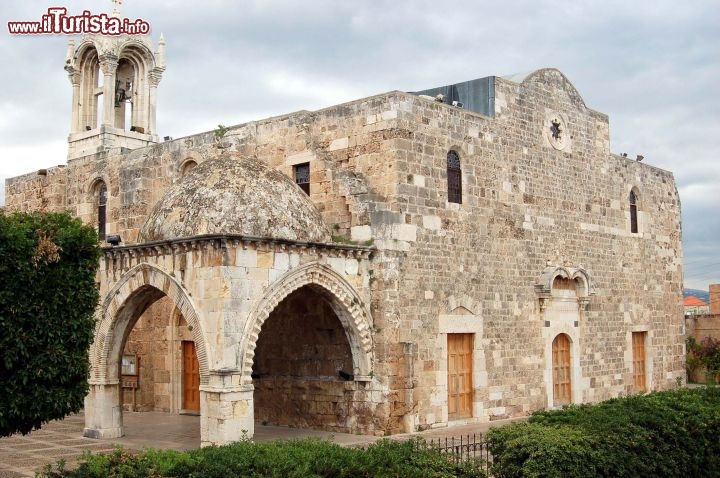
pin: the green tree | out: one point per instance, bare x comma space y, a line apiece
48, 264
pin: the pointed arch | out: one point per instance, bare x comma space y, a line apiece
464, 301
136, 290
345, 302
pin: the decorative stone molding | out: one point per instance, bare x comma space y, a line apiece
463, 300
345, 302
124, 303
152, 249
556, 130
544, 285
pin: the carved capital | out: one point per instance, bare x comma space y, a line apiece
544, 301
108, 63
73, 75
583, 303
155, 76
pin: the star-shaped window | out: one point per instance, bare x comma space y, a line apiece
555, 129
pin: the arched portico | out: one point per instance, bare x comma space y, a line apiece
343, 299
124, 303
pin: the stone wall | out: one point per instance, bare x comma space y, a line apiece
525, 204
301, 351
700, 327
540, 190
714, 299
156, 339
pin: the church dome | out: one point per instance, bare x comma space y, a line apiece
232, 194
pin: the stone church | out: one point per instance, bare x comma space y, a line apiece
403, 261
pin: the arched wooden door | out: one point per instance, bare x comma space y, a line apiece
562, 376
191, 378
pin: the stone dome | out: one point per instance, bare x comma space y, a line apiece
232, 194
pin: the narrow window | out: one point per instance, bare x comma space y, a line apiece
562, 377
302, 176
454, 178
638, 349
633, 213
460, 368
101, 209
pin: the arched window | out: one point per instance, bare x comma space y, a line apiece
561, 370
633, 212
454, 177
187, 167
101, 194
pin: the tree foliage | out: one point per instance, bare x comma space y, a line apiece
704, 354
48, 263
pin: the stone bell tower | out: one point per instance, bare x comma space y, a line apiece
114, 81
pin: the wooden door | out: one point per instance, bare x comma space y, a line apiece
191, 377
562, 378
638, 348
460, 366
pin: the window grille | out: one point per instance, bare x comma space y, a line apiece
454, 178
302, 177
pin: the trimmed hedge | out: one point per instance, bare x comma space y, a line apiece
282, 459
664, 434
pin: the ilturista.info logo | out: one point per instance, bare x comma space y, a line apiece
57, 21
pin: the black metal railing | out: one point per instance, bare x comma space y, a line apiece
471, 449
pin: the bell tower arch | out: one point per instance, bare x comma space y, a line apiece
114, 81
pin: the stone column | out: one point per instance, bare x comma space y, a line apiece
103, 413
75, 122
108, 64
154, 80
226, 409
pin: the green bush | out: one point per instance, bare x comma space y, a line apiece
308, 458
668, 434
704, 355
47, 300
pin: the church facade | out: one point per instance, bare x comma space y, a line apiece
397, 262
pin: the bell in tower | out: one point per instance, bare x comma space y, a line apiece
114, 81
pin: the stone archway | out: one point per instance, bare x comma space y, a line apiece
564, 294
342, 298
125, 302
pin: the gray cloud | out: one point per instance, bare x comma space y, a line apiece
651, 66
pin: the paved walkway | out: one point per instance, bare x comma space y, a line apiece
21, 456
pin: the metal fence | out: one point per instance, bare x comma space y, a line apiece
464, 448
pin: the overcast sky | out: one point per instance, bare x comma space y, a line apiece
652, 66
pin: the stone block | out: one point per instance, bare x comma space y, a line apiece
360, 233
404, 232
432, 222
339, 143
265, 259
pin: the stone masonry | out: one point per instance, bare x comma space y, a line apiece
337, 309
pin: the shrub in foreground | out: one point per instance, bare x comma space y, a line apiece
282, 459
668, 434
47, 301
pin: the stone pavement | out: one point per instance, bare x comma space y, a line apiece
21, 456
